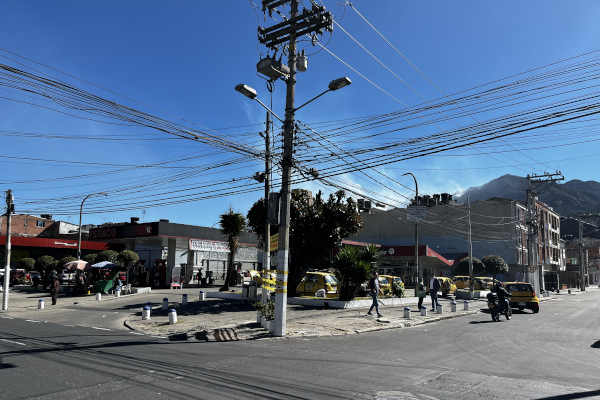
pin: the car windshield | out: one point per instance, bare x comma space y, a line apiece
331, 279
519, 287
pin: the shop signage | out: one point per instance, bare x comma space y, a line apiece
207, 245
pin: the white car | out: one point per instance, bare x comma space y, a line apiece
64, 275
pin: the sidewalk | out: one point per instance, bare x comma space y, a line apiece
215, 319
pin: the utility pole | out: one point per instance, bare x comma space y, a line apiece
10, 208
536, 270
310, 21
471, 285
267, 235
416, 218
582, 259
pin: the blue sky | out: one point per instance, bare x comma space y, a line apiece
180, 61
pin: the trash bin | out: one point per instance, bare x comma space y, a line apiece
202, 282
245, 291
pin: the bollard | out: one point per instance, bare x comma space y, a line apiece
118, 292
172, 317
146, 313
423, 311
165, 304
466, 303
184, 299
440, 309
453, 306
41, 304
98, 296
406, 312
201, 297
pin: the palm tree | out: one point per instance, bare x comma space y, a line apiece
232, 225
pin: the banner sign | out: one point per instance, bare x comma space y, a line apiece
207, 245
416, 213
274, 242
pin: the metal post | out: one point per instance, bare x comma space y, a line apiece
581, 258
471, 286
416, 231
9, 210
286, 176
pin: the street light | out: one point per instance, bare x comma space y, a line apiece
286, 179
416, 230
80, 213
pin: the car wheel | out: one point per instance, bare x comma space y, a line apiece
445, 294
521, 308
536, 310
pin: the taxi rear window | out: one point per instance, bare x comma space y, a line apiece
519, 288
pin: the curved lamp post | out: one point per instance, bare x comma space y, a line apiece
80, 213
416, 230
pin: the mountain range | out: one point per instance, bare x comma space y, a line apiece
572, 198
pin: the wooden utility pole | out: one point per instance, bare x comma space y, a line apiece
10, 208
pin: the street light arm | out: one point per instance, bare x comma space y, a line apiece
268, 109
313, 99
80, 214
416, 187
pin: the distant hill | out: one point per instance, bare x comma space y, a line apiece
572, 198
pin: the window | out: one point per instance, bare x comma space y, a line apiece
40, 224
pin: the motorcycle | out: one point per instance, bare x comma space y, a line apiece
497, 309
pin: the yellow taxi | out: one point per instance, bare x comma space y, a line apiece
461, 282
314, 281
257, 276
385, 281
522, 296
447, 286
484, 282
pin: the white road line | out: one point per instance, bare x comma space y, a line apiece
6, 317
101, 329
31, 320
12, 341
159, 337
137, 333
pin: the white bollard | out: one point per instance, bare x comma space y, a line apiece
406, 312
41, 304
146, 313
172, 317
184, 299
423, 311
453, 306
98, 296
440, 309
118, 292
165, 304
466, 303
149, 305
202, 296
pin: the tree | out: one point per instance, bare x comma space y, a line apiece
316, 226
65, 260
354, 265
107, 255
495, 265
44, 264
232, 225
462, 268
27, 263
91, 258
127, 258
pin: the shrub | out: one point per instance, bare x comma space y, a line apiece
397, 289
27, 263
107, 255
266, 310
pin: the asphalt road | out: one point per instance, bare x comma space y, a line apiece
551, 355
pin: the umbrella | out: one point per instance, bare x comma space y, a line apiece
77, 264
105, 264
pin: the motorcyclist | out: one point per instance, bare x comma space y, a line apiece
502, 294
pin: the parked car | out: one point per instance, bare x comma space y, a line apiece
484, 282
65, 276
447, 286
314, 281
522, 296
461, 282
257, 276
390, 279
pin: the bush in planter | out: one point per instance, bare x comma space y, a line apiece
266, 310
397, 289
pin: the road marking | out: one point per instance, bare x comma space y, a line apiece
101, 329
31, 320
137, 333
159, 337
12, 341
6, 317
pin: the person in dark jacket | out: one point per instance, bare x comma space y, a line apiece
502, 295
54, 286
434, 287
374, 291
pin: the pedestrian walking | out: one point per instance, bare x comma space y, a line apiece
375, 289
54, 286
420, 293
434, 287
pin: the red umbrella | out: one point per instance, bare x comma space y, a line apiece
77, 264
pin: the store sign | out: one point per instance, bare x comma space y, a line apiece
274, 242
416, 213
206, 245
